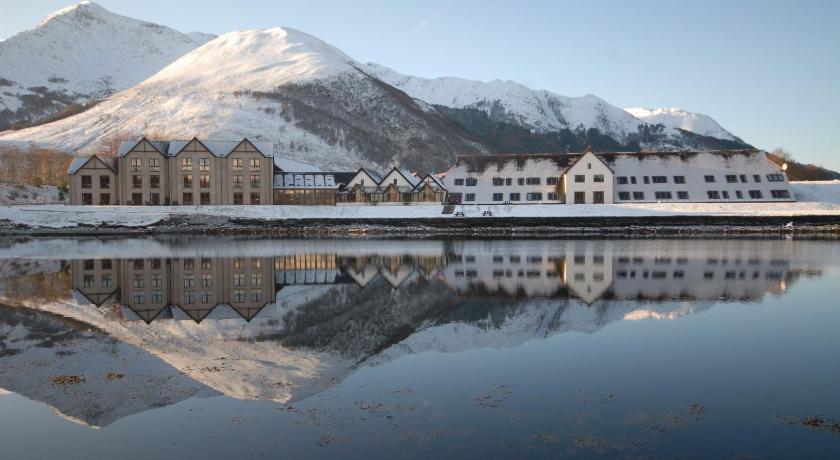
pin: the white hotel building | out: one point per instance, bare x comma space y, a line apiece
590, 178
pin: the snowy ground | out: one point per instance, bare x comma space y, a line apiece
11, 194
819, 199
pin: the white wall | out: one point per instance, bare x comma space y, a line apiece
589, 166
694, 168
541, 168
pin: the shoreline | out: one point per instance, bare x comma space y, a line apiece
589, 226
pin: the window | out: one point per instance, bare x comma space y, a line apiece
139, 282
471, 182
682, 195
136, 181
189, 297
87, 182
660, 179
239, 262
206, 263
255, 164
739, 194
136, 164
598, 178
498, 181
622, 180
206, 280
154, 164
580, 178
139, 298
255, 181
104, 181
709, 179
663, 195
256, 279
508, 181
624, 196
255, 198
238, 295
204, 181
186, 164
552, 196
779, 194
757, 178
724, 194
498, 196
633, 180
638, 195
154, 181
87, 198
256, 264
598, 197
238, 279
187, 199
136, 199
469, 197
713, 194
189, 264
104, 199
743, 178
154, 199
457, 182
552, 180
237, 181
237, 198
107, 280
731, 178
646, 179
755, 194
679, 179
588, 165
532, 181
204, 164
256, 296
237, 164
520, 181
107, 264
138, 264
580, 198
775, 177
187, 180
204, 198
533, 196
514, 197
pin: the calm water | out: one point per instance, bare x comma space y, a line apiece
245, 348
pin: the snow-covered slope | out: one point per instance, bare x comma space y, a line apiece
79, 53
276, 84
513, 102
677, 118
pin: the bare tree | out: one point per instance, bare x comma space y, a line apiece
782, 154
106, 86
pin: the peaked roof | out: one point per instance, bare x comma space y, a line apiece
294, 166
79, 162
432, 179
217, 148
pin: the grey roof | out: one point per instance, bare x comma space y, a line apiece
434, 181
287, 165
373, 175
318, 180
217, 148
412, 179
78, 162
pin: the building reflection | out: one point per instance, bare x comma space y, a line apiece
223, 287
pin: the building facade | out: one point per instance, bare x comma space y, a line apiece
93, 181
603, 178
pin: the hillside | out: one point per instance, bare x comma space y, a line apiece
80, 54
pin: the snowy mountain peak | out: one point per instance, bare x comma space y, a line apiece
672, 117
84, 9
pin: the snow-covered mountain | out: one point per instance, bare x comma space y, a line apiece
677, 118
276, 84
80, 53
313, 101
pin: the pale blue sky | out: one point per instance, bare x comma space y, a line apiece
769, 71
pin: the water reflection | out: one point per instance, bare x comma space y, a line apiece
283, 320
220, 287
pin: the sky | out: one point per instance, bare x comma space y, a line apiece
768, 71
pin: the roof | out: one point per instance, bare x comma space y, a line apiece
78, 162
565, 160
217, 148
287, 165
412, 179
373, 175
317, 180
126, 146
434, 180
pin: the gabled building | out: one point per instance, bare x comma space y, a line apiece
93, 181
397, 187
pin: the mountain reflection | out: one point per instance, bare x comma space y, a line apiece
225, 287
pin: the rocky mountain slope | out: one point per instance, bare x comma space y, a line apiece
80, 54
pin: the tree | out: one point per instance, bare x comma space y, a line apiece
783, 154
106, 85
